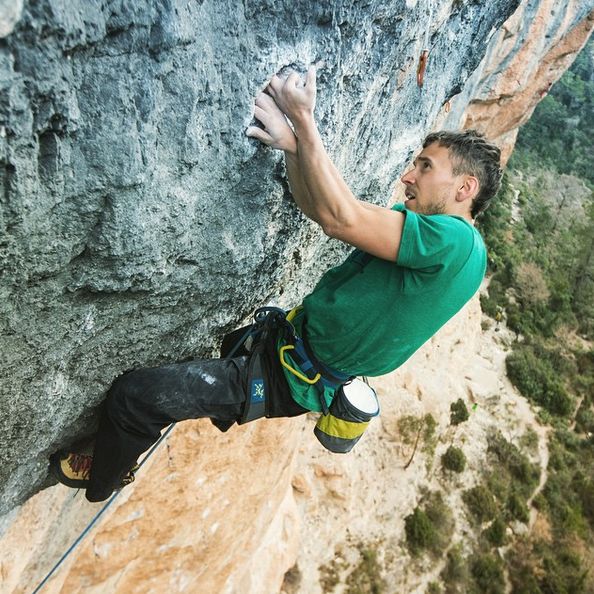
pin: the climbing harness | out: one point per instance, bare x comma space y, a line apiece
354, 403
273, 322
266, 322
313, 371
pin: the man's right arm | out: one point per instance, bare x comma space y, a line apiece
278, 134
373, 229
298, 186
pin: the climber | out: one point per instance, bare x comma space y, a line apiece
413, 267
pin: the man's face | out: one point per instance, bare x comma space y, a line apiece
431, 186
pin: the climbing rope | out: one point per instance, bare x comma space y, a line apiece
97, 516
90, 525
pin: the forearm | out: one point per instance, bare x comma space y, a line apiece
298, 186
332, 202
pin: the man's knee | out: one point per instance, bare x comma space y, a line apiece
123, 396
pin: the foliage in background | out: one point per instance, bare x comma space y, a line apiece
454, 459
429, 528
559, 134
458, 412
540, 237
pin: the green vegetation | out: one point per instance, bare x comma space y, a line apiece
366, 576
495, 533
419, 433
481, 503
540, 237
559, 134
429, 528
454, 459
487, 571
458, 412
536, 377
455, 573
514, 470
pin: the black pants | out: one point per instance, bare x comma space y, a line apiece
143, 402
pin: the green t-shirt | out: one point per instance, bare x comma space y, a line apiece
367, 316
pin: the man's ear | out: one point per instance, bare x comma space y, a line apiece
468, 189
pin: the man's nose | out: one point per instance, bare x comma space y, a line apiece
408, 178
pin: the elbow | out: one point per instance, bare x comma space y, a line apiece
335, 227
329, 228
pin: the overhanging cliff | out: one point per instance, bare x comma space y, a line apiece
138, 222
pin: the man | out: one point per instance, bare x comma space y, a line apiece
413, 268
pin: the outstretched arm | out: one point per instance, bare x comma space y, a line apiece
278, 134
330, 202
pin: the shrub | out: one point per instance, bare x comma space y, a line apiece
536, 380
517, 508
420, 531
458, 412
366, 576
531, 284
488, 574
429, 529
495, 533
518, 465
456, 570
480, 502
585, 419
454, 459
586, 494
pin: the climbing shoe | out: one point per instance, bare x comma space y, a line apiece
129, 478
72, 469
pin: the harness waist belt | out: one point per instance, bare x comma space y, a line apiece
314, 371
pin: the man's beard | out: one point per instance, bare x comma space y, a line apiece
435, 207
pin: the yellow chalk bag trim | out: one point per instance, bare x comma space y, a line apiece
340, 428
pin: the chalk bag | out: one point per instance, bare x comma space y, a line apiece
353, 406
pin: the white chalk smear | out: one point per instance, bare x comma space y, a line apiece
208, 378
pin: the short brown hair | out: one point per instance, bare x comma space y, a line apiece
472, 154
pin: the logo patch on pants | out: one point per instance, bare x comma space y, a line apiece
257, 391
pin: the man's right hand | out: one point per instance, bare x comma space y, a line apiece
276, 133
294, 96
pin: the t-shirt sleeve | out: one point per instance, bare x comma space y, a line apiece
433, 240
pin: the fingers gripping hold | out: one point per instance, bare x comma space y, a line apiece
259, 134
285, 101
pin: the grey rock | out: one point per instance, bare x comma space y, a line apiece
138, 223
10, 13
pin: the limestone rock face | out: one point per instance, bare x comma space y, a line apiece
10, 13
525, 58
138, 222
